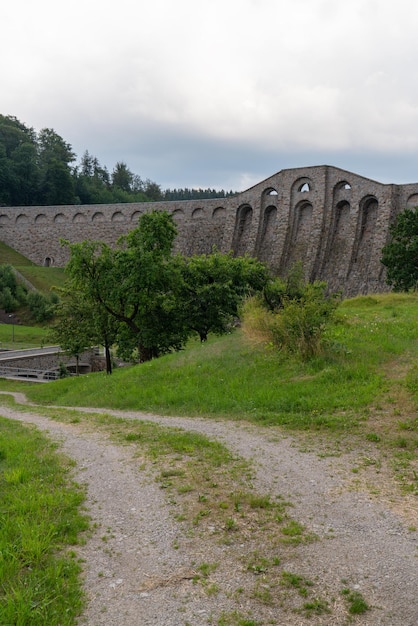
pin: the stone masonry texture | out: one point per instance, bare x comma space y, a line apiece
335, 222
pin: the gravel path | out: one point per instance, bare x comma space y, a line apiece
140, 563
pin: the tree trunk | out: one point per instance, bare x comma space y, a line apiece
146, 354
108, 360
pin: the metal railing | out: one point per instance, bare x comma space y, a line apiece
7, 346
28, 373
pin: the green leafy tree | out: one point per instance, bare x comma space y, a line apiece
55, 156
71, 329
92, 181
36, 168
7, 183
136, 283
81, 323
13, 134
400, 255
158, 299
40, 306
8, 302
214, 286
12, 294
8, 277
122, 176
26, 174
152, 191
19, 171
53, 147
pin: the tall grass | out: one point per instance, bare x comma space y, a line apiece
228, 377
39, 519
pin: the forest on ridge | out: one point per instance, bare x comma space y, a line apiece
41, 168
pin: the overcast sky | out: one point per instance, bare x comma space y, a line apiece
219, 93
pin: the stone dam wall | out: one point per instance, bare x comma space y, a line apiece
335, 222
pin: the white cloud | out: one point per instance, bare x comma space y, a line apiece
270, 75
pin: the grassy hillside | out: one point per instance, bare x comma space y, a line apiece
43, 278
41, 515
8, 256
19, 337
373, 350
360, 398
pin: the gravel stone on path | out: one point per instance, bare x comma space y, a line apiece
139, 565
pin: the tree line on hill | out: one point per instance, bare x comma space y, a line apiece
38, 168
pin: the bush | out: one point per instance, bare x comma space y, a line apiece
7, 300
7, 277
280, 290
292, 316
41, 307
300, 325
12, 294
401, 253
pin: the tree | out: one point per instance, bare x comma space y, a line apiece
158, 299
26, 175
71, 329
13, 133
400, 255
152, 191
19, 171
55, 156
41, 306
12, 294
53, 147
122, 176
87, 164
196, 194
92, 181
36, 168
214, 286
7, 183
136, 283
81, 323
57, 185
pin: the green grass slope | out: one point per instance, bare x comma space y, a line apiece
20, 337
42, 278
9, 256
376, 337
41, 517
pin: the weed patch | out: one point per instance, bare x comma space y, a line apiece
355, 601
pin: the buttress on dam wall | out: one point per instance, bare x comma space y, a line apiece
333, 221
